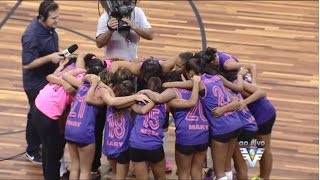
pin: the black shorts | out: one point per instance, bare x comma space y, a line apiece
266, 128
80, 145
122, 158
140, 155
224, 138
246, 135
190, 149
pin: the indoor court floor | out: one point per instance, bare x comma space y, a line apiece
280, 37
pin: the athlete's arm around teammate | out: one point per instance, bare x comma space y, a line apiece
102, 96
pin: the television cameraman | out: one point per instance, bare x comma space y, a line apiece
120, 28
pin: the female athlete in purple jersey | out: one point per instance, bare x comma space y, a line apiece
191, 126
103, 93
248, 132
265, 115
227, 62
147, 134
117, 132
52, 104
79, 131
144, 70
181, 60
225, 130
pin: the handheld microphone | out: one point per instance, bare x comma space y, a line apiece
69, 51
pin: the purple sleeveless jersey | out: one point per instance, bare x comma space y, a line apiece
262, 110
216, 96
192, 126
147, 132
80, 124
247, 120
116, 132
223, 58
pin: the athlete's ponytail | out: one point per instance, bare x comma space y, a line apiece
155, 84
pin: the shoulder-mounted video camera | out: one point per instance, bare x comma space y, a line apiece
119, 9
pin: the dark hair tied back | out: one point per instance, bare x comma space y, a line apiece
173, 75
93, 64
155, 84
151, 68
125, 88
106, 77
195, 64
185, 56
207, 56
211, 50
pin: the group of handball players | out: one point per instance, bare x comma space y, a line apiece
211, 96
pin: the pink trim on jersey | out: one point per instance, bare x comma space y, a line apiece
178, 93
205, 90
165, 107
53, 99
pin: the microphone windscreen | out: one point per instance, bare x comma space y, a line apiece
72, 48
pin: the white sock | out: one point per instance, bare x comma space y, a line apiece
229, 175
63, 168
209, 159
222, 178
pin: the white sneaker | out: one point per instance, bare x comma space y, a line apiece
35, 158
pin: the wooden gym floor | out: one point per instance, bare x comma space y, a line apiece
281, 37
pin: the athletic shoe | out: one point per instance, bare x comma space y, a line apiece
95, 174
208, 174
234, 176
34, 157
65, 176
